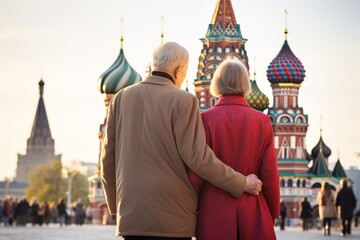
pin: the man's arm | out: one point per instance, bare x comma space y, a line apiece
190, 139
107, 159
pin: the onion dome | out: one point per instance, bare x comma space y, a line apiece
286, 67
118, 76
325, 149
319, 167
256, 98
308, 156
339, 171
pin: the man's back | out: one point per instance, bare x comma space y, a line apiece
147, 157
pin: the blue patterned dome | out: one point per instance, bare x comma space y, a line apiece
118, 76
286, 67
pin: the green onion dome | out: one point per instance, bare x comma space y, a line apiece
118, 76
256, 98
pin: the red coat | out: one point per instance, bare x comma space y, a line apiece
243, 139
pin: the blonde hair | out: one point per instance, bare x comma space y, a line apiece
231, 78
169, 56
325, 189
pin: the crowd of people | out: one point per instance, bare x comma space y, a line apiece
19, 212
330, 206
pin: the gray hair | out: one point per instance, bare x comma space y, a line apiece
231, 78
169, 56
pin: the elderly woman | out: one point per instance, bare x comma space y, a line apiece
243, 138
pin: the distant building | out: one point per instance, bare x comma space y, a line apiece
40, 145
85, 168
12, 188
40, 149
354, 174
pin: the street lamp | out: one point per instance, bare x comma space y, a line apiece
70, 174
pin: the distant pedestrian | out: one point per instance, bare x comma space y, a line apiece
282, 215
44, 212
305, 213
1, 211
61, 209
357, 216
79, 213
89, 214
7, 211
325, 200
34, 212
53, 212
22, 212
346, 203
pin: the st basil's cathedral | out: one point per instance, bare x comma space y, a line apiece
301, 173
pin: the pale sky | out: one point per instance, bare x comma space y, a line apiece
71, 43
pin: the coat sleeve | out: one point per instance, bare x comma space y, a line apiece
190, 140
268, 173
107, 159
195, 180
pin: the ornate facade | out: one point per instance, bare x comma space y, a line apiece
223, 40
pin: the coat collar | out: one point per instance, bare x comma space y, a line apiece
157, 80
232, 100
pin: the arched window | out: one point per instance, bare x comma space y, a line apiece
298, 183
304, 183
282, 183
289, 182
98, 185
219, 50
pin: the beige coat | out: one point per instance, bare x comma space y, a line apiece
154, 130
328, 210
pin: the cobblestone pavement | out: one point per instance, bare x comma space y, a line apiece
92, 232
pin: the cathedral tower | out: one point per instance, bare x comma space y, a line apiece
290, 124
223, 40
40, 145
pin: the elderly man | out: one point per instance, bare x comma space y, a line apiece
154, 133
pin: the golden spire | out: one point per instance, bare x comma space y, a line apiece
321, 127
286, 31
121, 33
321, 147
162, 30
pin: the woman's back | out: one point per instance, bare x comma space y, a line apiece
242, 138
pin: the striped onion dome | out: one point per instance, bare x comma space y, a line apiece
118, 76
256, 98
286, 67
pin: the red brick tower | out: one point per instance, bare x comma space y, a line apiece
223, 40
